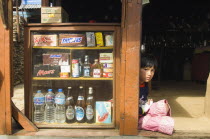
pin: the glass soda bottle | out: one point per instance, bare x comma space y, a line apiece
86, 70
39, 107
81, 66
50, 107
96, 69
70, 112
60, 116
80, 106
90, 108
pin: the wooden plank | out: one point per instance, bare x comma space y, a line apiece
130, 67
22, 119
9, 67
2, 81
207, 99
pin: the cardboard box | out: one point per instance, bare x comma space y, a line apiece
46, 71
106, 58
44, 40
54, 15
56, 59
103, 112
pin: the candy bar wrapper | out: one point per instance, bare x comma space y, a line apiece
90, 36
107, 65
72, 40
46, 71
103, 112
108, 74
109, 40
44, 40
99, 39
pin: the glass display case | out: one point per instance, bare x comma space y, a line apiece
70, 75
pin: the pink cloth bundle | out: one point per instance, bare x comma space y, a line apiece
158, 118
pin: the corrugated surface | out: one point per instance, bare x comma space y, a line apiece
30, 6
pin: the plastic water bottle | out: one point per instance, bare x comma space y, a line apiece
60, 116
39, 107
50, 108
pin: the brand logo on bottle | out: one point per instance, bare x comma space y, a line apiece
50, 98
79, 113
96, 73
80, 98
43, 72
60, 101
71, 40
38, 100
89, 112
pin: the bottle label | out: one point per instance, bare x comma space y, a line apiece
89, 112
60, 101
70, 113
50, 98
80, 98
90, 97
39, 100
96, 73
79, 113
69, 98
86, 71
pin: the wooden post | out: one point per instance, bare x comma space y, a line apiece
131, 24
207, 99
6, 70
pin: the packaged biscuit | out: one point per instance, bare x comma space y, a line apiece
108, 74
90, 36
106, 58
107, 70
109, 40
44, 40
72, 40
99, 39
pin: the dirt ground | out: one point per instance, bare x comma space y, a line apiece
186, 100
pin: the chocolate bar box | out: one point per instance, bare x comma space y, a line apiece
56, 59
46, 71
72, 40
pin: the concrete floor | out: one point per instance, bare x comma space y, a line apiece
185, 98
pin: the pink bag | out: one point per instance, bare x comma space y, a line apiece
158, 118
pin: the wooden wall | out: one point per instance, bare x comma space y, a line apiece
5, 73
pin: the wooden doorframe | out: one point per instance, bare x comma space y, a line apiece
131, 34
6, 87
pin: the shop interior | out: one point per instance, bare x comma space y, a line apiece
177, 33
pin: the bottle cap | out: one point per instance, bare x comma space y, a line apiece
39, 91
49, 90
90, 90
69, 87
81, 87
60, 90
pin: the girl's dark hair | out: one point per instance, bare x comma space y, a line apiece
148, 60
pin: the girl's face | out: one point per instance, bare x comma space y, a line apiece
146, 74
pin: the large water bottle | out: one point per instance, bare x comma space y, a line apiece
39, 107
50, 108
60, 116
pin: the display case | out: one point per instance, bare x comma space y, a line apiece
62, 56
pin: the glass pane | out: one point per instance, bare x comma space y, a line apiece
74, 71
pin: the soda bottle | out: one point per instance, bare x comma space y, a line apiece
70, 112
50, 107
39, 107
96, 69
81, 66
90, 113
86, 70
80, 106
60, 116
